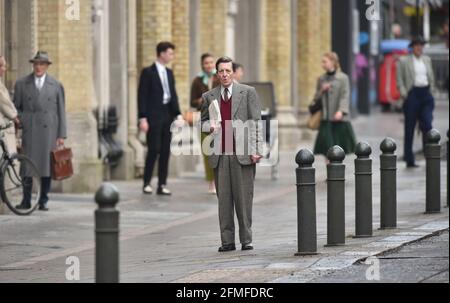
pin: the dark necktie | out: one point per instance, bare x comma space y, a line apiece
225, 95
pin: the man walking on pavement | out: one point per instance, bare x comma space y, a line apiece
234, 165
415, 80
40, 101
158, 108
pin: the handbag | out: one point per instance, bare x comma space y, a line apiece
314, 120
61, 163
315, 106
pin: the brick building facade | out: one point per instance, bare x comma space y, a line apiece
99, 47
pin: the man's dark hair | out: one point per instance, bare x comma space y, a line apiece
206, 55
163, 47
237, 66
223, 60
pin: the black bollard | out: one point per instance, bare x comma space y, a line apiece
433, 176
363, 191
107, 235
448, 166
388, 184
336, 197
306, 203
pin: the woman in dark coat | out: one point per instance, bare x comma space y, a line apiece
203, 83
333, 91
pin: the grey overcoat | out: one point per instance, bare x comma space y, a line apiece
42, 114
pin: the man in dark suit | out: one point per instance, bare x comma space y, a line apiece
158, 108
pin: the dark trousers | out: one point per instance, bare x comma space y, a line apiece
28, 188
159, 138
419, 106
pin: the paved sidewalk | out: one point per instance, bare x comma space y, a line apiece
425, 261
175, 239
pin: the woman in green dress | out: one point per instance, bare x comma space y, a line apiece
203, 83
333, 91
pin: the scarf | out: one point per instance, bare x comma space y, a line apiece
206, 77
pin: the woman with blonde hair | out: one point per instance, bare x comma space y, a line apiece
8, 111
333, 92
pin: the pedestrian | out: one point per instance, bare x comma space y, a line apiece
8, 112
40, 101
233, 160
158, 108
333, 93
203, 83
238, 72
415, 81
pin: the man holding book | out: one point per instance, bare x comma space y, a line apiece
231, 114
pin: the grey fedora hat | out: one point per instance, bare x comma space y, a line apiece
41, 56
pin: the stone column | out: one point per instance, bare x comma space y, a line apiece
248, 38
119, 85
154, 25
313, 40
2, 27
180, 37
213, 34
194, 38
69, 43
276, 66
133, 75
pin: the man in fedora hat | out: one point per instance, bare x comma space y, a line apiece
39, 99
415, 81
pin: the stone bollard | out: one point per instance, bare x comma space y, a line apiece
336, 197
363, 191
107, 235
306, 203
388, 184
433, 175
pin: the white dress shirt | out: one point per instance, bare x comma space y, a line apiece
420, 71
39, 82
162, 71
230, 92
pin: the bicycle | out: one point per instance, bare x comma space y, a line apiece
16, 173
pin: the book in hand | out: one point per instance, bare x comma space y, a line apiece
214, 113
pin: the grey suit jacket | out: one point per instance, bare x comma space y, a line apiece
246, 111
406, 74
43, 117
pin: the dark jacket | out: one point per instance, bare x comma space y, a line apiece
151, 95
198, 88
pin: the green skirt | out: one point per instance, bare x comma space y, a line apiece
335, 133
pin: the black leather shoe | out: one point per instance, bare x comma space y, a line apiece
247, 247
23, 206
226, 248
43, 208
163, 191
412, 165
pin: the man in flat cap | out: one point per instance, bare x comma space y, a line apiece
415, 81
39, 99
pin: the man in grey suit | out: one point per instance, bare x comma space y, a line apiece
415, 81
39, 99
234, 149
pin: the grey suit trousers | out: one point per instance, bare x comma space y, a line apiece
235, 186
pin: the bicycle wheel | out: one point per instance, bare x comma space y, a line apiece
17, 174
